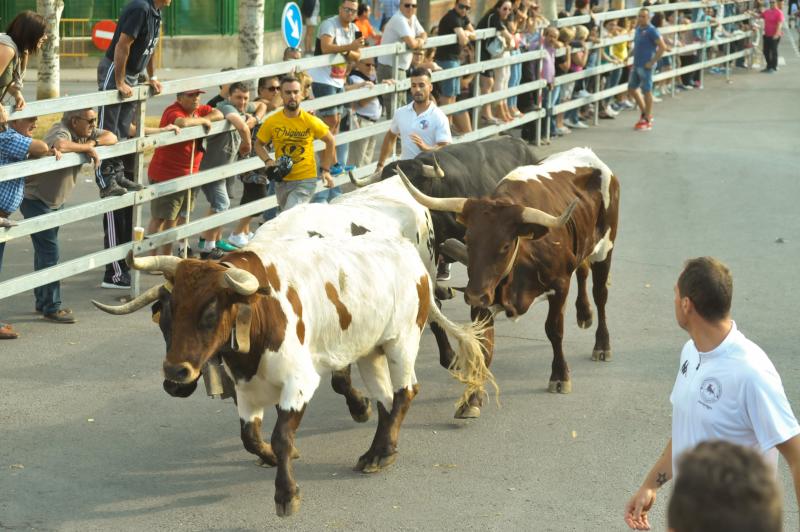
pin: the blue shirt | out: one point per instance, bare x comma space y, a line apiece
13, 149
645, 44
389, 8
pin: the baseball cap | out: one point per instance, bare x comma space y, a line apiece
191, 92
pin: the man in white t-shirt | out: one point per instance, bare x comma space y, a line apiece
421, 125
402, 27
726, 388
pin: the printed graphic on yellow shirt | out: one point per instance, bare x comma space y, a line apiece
294, 137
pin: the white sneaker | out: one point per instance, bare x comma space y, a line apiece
570, 124
581, 125
583, 93
239, 240
656, 99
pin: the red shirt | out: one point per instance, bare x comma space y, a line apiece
773, 18
173, 161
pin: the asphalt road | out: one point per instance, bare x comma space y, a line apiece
89, 441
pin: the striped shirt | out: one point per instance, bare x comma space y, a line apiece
13, 148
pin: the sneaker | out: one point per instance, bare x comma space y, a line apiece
443, 271
581, 125
113, 189
643, 125
570, 123
122, 284
339, 168
226, 246
189, 252
583, 93
214, 254
656, 99
239, 240
562, 131
62, 315
128, 184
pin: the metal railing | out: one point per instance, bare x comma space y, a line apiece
141, 143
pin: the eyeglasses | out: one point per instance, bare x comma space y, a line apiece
464, 7
412, 6
90, 121
349, 10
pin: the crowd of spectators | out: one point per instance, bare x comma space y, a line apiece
520, 28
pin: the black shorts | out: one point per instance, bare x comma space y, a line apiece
253, 192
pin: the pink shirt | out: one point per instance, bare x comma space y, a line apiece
773, 18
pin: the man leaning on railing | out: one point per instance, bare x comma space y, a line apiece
17, 144
47, 192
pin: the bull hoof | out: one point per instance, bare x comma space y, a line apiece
585, 324
265, 463
361, 415
603, 355
285, 509
560, 387
467, 411
372, 464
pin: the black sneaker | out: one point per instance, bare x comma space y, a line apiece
443, 271
214, 254
189, 252
122, 284
113, 189
128, 184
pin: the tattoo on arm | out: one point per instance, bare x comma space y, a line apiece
661, 479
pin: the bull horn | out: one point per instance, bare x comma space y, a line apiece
434, 171
535, 216
131, 306
240, 281
162, 263
364, 181
455, 205
455, 249
437, 167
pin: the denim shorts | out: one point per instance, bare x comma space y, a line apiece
217, 195
449, 87
641, 78
321, 90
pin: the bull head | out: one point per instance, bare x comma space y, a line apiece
433, 171
207, 300
495, 231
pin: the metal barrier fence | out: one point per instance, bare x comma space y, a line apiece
141, 143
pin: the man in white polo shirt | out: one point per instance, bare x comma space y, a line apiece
726, 388
421, 125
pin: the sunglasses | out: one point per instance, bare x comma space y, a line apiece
466, 8
412, 6
273, 88
90, 121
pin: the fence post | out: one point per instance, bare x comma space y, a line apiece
476, 87
395, 73
704, 51
139, 177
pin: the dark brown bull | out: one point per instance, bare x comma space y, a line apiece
517, 254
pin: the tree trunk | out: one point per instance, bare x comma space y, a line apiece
251, 33
49, 80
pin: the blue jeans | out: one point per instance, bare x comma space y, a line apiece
45, 254
550, 99
514, 79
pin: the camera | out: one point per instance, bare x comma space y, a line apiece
282, 168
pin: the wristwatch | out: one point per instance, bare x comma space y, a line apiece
325, 169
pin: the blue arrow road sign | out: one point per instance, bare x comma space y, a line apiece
292, 25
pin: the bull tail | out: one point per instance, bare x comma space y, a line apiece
469, 363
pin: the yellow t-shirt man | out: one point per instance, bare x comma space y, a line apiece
294, 137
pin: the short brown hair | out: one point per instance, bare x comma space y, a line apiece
709, 285
723, 487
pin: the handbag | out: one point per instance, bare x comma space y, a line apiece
496, 47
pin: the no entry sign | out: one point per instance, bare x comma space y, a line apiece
103, 33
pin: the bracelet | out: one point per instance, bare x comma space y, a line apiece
325, 169
153, 78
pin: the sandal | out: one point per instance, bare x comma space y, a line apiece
7, 332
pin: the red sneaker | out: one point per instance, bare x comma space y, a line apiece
643, 125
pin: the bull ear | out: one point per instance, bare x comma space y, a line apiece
264, 290
532, 231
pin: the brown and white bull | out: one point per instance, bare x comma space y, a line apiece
518, 254
283, 314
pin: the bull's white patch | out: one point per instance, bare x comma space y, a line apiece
565, 161
541, 297
601, 249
